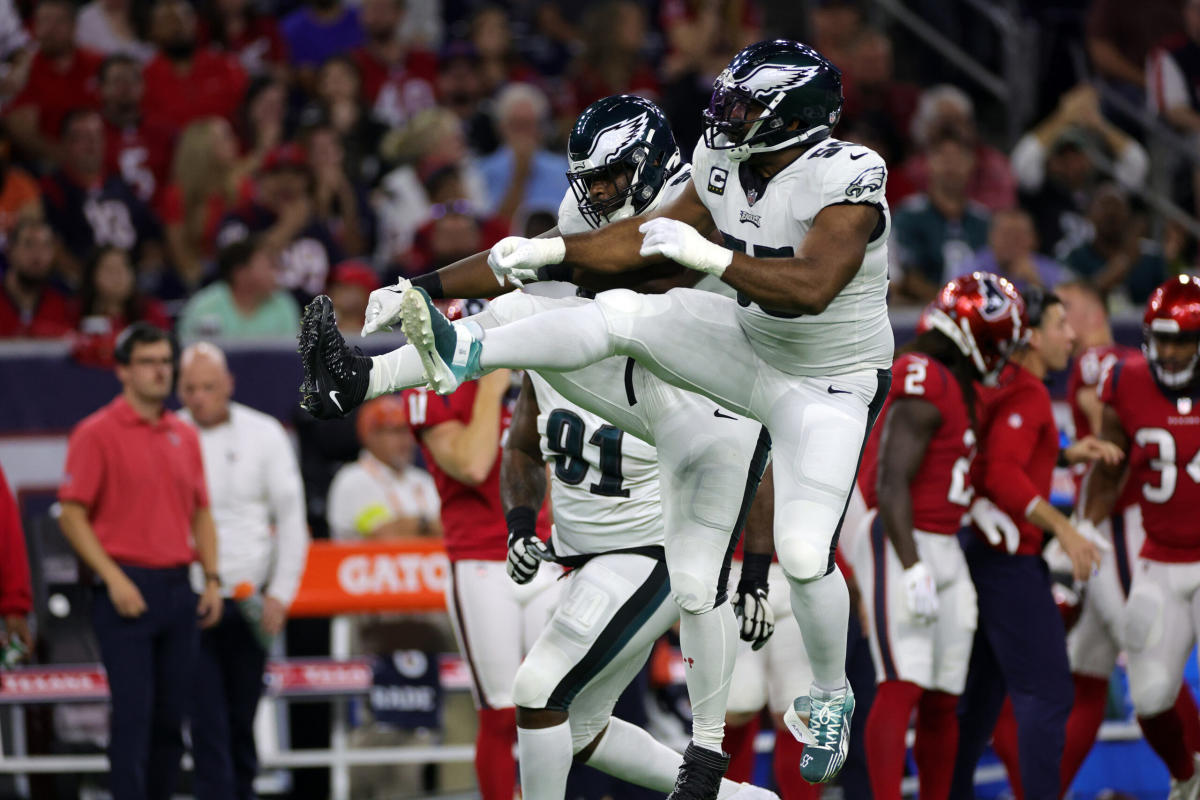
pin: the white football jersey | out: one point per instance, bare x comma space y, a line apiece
604, 482
854, 332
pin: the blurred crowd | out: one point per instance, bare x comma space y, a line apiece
213, 166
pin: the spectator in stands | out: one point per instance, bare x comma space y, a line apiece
460, 89
61, 77
340, 201
1116, 257
137, 145
133, 503
836, 27
499, 63
15, 50
1012, 252
16, 592
1173, 77
339, 104
257, 502
262, 123
397, 80
246, 302
521, 171
185, 81
350, 286
613, 60
941, 107
207, 182
382, 495
236, 28
89, 209
871, 88
29, 305
936, 234
1119, 37
20, 195
108, 302
283, 213
319, 31
107, 27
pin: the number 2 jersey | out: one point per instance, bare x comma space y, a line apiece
1163, 458
472, 518
771, 221
941, 489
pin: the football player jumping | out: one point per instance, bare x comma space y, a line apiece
916, 473
1151, 412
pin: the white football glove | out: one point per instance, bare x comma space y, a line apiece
526, 552
755, 617
518, 259
1088, 530
920, 593
997, 527
383, 308
684, 245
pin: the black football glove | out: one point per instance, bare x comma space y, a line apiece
526, 551
757, 620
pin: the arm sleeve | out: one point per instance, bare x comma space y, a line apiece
83, 474
1029, 163
16, 594
286, 494
1008, 444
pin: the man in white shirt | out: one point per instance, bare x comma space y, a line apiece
382, 495
262, 541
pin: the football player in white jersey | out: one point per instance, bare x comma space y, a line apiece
806, 348
608, 527
625, 162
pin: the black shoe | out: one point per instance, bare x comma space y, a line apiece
335, 377
700, 774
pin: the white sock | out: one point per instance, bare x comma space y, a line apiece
391, 372
562, 340
627, 752
709, 645
545, 759
822, 609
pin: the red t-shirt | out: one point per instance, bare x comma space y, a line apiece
472, 516
213, 87
1163, 458
257, 48
54, 316
16, 594
396, 92
1019, 448
55, 92
941, 490
141, 155
141, 483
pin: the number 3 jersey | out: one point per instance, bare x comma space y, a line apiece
604, 482
1163, 458
771, 221
941, 489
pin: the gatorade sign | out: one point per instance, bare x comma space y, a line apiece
346, 578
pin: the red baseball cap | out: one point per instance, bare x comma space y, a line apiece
383, 412
355, 272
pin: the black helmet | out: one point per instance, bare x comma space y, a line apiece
790, 82
625, 140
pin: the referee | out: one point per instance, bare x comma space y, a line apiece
133, 503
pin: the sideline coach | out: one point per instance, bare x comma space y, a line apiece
133, 503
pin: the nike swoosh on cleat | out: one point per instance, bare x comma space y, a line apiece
839, 391
718, 413
333, 397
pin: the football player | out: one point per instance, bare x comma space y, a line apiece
805, 349
1150, 412
608, 528
624, 161
1020, 645
920, 601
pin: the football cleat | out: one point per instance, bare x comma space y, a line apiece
829, 715
699, 775
449, 353
335, 377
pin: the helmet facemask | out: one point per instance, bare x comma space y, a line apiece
630, 195
1169, 330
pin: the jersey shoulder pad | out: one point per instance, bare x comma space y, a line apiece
916, 375
1125, 378
569, 219
848, 173
710, 172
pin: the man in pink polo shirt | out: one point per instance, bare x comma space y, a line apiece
135, 508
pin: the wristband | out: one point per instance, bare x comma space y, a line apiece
754, 568
431, 282
521, 520
555, 272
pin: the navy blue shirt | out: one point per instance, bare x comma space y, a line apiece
305, 262
89, 218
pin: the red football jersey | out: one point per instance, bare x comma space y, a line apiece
941, 489
212, 87
1086, 372
1018, 449
472, 516
1163, 459
140, 155
397, 92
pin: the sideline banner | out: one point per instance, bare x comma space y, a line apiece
395, 576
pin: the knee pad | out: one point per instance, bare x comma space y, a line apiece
621, 302
532, 686
801, 561
692, 594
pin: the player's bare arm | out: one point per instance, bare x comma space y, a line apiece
756, 620
1102, 485
522, 468
467, 452
909, 428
